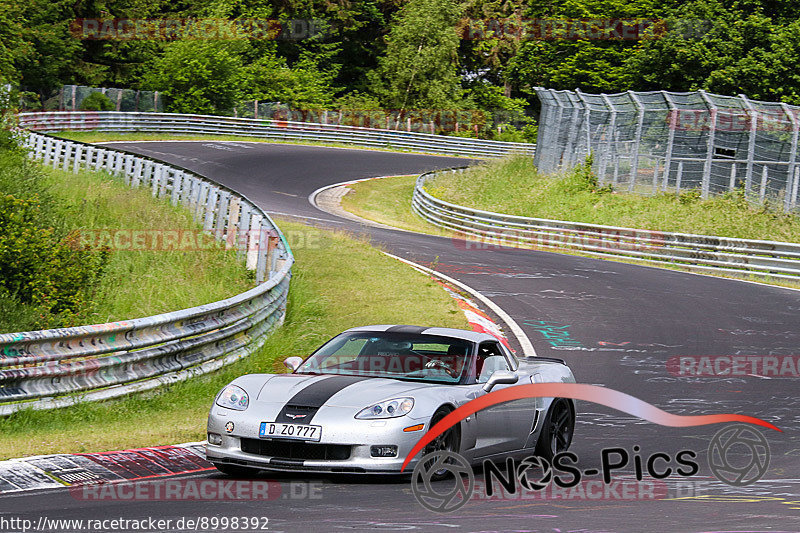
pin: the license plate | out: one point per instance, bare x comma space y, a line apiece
278, 430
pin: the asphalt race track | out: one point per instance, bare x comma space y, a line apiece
616, 325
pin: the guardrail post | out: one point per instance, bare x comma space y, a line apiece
147, 173
202, 197
253, 241
263, 252
210, 207
128, 169
787, 200
137, 168
712, 109
158, 172
177, 183
222, 214
232, 225
244, 231
67, 155
76, 163
187, 182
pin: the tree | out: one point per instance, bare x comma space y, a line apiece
420, 68
198, 76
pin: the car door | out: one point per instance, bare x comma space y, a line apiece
503, 427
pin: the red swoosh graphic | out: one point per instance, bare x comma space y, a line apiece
577, 391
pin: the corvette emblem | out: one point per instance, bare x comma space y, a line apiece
295, 417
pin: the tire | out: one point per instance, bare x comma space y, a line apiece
238, 472
559, 426
449, 441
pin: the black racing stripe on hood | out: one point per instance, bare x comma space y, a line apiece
406, 329
302, 407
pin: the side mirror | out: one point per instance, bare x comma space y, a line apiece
500, 377
293, 363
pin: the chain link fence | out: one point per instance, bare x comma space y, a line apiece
71, 97
648, 142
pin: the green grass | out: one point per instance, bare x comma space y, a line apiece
388, 201
339, 282
142, 282
514, 187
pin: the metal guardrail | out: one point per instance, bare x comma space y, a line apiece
58, 367
700, 252
111, 121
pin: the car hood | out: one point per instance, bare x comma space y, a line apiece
338, 391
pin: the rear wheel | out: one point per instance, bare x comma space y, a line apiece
559, 425
449, 441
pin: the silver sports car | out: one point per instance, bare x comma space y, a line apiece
360, 402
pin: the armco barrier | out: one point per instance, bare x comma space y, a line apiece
111, 121
58, 367
701, 252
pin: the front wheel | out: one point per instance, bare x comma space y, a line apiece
449, 441
559, 425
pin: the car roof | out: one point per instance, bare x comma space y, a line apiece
472, 336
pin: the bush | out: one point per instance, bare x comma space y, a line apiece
38, 268
97, 101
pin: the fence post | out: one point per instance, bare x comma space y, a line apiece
678, 178
751, 146
588, 119
712, 134
672, 124
610, 139
636, 141
764, 177
787, 200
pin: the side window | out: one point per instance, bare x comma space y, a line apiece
490, 359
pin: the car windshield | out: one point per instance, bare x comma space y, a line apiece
395, 355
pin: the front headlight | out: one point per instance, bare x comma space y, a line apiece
388, 409
233, 397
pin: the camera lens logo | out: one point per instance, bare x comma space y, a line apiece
528, 466
457, 490
738, 455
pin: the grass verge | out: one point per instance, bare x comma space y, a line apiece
134, 283
388, 201
513, 186
339, 282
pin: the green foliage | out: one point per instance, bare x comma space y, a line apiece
38, 267
304, 86
97, 101
419, 69
198, 76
